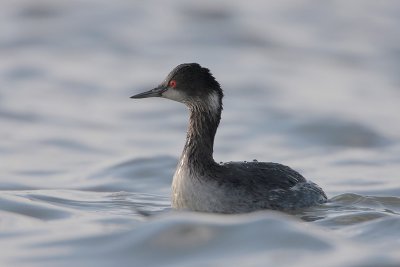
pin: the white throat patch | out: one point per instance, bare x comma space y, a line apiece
213, 102
173, 95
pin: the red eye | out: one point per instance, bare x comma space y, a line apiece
172, 83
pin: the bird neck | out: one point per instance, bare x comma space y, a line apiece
203, 123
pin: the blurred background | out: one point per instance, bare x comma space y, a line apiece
311, 84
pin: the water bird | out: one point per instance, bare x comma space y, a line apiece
200, 183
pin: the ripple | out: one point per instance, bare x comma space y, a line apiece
334, 132
150, 175
18, 205
352, 209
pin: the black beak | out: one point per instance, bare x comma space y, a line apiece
156, 92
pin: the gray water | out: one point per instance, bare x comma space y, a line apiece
85, 172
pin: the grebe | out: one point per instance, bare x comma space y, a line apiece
201, 184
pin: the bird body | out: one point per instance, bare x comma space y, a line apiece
201, 184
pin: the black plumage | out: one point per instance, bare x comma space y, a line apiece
200, 183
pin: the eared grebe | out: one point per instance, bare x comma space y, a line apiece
201, 184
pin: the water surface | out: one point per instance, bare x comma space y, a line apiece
85, 172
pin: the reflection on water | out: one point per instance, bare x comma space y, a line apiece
86, 172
